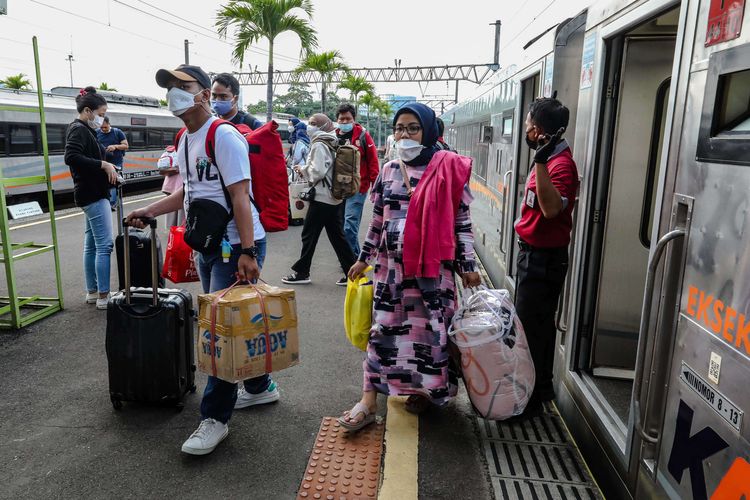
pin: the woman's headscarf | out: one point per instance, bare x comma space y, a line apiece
301, 130
293, 134
324, 123
428, 121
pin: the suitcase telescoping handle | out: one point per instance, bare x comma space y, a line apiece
154, 262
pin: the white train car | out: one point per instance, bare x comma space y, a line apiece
653, 349
148, 127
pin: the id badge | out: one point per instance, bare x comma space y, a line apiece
530, 198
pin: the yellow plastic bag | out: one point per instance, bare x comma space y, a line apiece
358, 311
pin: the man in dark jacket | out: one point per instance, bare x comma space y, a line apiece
353, 133
115, 143
225, 94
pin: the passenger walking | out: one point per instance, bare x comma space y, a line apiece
115, 143
543, 236
92, 179
225, 95
441, 140
189, 91
415, 258
391, 153
169, 168
301, 146
324, 210
353, 133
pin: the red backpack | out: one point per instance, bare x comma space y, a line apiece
267, 167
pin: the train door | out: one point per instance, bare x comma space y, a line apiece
530, 90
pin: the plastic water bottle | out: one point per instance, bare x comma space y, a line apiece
226, 250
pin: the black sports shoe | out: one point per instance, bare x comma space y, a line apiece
295, 279
342, 281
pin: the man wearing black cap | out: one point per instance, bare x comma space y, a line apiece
188, 97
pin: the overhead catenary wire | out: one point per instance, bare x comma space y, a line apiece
522, 30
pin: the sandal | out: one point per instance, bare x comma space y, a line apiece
358, 409
417, 404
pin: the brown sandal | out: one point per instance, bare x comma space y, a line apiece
417, 404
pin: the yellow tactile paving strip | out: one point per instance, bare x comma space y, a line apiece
343, 465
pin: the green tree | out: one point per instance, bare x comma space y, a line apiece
356, 85
253, 20
368, 100
384, 111
104, 86
17, 82
325, 64
297, 101
163, 103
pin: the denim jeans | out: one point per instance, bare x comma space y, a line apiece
97, 245
220, 396
352, 218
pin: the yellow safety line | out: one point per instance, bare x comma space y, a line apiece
76, 214
400, 471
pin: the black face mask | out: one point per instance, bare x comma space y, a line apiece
530, 143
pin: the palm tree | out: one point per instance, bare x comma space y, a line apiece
384, 111
105, 86
368, 100
356, 85
326, 64
256, 19
17, 82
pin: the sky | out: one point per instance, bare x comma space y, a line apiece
124, 43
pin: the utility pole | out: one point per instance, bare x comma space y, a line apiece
70, 61
497, 24
187, 52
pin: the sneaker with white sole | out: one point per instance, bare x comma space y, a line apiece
245, 399
206, 437
296, 279
342, 281
91, 297
101, 303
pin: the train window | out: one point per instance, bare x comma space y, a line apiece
508, 126
3, 141
137, 138
56, 138
23, 139
155, 138
724, 135
169, 136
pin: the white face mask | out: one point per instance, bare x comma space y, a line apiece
179, 101
312, 130
408, 149
98, 121
290, 129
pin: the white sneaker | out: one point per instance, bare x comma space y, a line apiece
91, 297
245, 399
206, 437
101, 304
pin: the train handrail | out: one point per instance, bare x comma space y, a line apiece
645, 323
506, 195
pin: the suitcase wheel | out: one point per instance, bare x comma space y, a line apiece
116, 403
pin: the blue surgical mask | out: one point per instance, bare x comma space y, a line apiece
346, 127
221, 108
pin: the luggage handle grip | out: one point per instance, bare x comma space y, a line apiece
154, 261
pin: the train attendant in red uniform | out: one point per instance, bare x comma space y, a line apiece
543, 236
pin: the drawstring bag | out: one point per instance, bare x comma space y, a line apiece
179, 263
358, 310
495, 359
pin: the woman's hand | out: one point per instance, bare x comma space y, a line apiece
357, 270
111, 172
471, 280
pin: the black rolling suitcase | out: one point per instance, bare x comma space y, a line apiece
140, 252
149, 342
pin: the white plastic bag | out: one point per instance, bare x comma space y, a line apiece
495, 360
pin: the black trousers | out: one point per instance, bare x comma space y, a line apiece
539, 281
331, 217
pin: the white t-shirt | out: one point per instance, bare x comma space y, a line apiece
202, 180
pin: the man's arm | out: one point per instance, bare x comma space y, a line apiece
550, 199
171, 203
239, 192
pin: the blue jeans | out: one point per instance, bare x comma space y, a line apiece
220, 396
352, 218
97, 245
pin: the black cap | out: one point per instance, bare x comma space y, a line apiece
184, 73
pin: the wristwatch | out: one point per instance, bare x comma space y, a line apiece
251, 251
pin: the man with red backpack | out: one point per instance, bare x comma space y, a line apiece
353, 133
219, 177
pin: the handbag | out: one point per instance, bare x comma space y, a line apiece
307, 194
358, 310
179, 263
207, 220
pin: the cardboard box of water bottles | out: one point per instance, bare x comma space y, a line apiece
242, 347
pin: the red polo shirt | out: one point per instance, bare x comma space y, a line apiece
533, 227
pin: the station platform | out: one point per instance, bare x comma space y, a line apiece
61, 438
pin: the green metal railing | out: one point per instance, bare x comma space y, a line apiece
17, 311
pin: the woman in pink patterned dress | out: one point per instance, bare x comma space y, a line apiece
407, 353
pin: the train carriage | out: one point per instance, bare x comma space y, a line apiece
653, 325
147, 126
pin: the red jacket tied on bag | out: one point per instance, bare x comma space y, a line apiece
369, 165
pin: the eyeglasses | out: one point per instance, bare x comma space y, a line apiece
411, 129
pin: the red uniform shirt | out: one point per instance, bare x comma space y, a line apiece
532, 227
